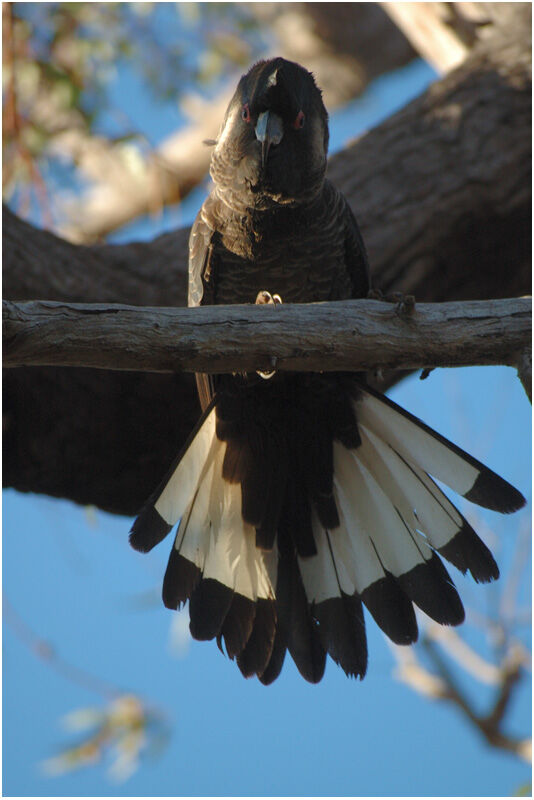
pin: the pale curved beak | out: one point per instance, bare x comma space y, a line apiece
269, 131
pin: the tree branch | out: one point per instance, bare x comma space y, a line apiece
425, 25
489, 726
441, 684
350, 335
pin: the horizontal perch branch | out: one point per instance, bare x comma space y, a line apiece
348, 335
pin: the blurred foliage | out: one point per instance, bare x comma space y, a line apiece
122, 733
59, 60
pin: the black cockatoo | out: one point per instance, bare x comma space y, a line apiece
303, 496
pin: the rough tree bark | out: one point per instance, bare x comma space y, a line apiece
353, 335
443, 194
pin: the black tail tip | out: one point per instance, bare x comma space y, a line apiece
493, 492
467, 552
138, 542
148, 530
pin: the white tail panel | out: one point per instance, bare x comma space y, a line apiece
181, 487
415, 443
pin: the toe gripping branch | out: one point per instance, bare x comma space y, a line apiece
266, 298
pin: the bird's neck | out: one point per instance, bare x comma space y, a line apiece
258, 212
256, 233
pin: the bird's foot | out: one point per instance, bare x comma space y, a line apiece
266, 298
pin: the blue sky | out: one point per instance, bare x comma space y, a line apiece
71, 576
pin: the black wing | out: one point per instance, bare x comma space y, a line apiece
201, 284
356, 257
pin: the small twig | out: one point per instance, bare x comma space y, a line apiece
47, 653
520, 564
511, 674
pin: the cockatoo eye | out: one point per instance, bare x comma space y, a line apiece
299, 121
245, 113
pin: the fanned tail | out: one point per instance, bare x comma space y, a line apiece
303, 501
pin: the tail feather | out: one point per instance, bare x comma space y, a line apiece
175, 492
356, 554
238, 624
464, 549
295, 618
277, 657
266, 532
320, 474
235, 573
335, 604
215, 564
303, 641
414, 440
377, 518
298, 506
467, 552
342, 632
430, 587
181, 579
401, 549
391, 609
190, 548
378, 589
258, 650
182, 485
426, 509
208, 606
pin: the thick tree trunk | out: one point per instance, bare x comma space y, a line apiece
442, 191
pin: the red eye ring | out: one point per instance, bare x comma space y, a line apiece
245, 113
299, 121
